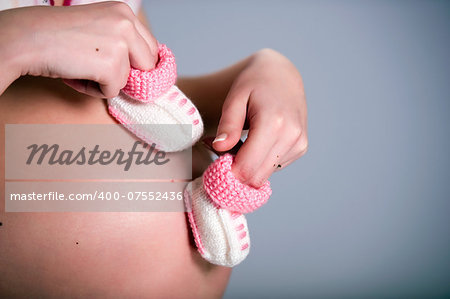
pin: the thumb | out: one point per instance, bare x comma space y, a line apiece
232, 121
88, 87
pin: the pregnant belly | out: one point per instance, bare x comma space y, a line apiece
93, 254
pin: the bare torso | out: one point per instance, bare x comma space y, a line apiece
93, 254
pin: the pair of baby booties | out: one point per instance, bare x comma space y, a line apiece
216, 201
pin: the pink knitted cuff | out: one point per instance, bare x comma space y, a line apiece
148, 85
226, 191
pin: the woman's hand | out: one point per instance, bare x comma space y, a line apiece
90, 46
268, 97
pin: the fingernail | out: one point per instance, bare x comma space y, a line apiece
221, 137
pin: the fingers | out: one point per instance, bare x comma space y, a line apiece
126, 43
140, 56
109, 75
250, 158
85, 86
269, 165
286, 149
113, 82
207, 142
151, 42
283, 152
125, 48
142, 46
103, 76
298, 150
97, 42
272, 144
232, 120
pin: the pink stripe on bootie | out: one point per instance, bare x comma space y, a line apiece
151, 98
215, 203
222, 237
227, 192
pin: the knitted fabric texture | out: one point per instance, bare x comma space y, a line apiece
145, 86
150, 98
221, 236
171, 122
227, 192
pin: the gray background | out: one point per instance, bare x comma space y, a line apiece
365, 212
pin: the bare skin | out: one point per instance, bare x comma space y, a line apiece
118, 254
93, 254
139, 254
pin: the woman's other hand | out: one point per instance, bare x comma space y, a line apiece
268, 98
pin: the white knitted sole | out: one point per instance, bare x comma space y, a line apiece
173, 107
221, 236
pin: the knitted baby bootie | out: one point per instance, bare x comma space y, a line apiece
151, 98
221, 236
227, 192
215, 203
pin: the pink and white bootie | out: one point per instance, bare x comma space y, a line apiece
150, 97
215, 203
